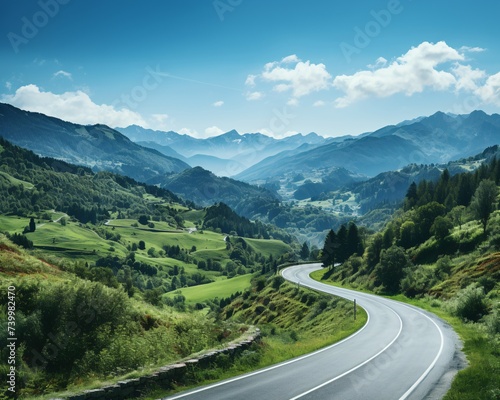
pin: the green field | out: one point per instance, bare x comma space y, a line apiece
127, 223
221, 289
203, 241
74, 239
268, 247
15, 181
13, 224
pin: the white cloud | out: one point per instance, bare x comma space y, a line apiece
293, 102
187, 131
302, 79
213, 131
467, 49
379, 62
467, 77
159, 122
251, 96
490, 91
76, 107
160, 117
290, 59
319, 103
411, 73
63, 74
266, 132
250, 81
219, 103
8, 85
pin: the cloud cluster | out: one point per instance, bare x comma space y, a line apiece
293, 75
428, 66
409, 74
76, 107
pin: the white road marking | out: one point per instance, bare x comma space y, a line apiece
274, 366
357, 366
422, 377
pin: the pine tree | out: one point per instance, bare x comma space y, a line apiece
353, 245
342, 244
329, 249
32, 225
411, 197
304, 252
484, 201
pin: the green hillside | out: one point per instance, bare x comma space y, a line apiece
111, 334
440, 251
126, 251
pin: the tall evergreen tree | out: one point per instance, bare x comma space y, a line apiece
465, 190
304, 252
354, 244
32, 224
411, 197
328, 255
484, 201
342, 244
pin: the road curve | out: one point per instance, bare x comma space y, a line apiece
402, 352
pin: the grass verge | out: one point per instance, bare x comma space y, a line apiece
481, 379
293, 322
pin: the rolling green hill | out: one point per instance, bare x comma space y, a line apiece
106, 241
96, 146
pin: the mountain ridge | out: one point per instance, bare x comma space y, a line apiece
438, 138
96, 146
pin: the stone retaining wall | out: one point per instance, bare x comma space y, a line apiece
164, 376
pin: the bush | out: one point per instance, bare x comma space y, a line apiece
470, 303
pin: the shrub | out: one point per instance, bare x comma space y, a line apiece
277, 282
469, 304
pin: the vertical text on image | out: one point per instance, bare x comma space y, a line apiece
11, 338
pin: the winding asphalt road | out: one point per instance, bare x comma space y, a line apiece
401, 353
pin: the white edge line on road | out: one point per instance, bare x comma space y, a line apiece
359, 365
422, 377
274, 366
419, 380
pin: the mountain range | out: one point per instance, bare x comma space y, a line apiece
225, 155
436, 139
294, 168
95, 146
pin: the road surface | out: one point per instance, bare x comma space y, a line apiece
401, 353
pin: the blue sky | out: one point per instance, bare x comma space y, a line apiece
277, 66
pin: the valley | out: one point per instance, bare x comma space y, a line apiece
190, 258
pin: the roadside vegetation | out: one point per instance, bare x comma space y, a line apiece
293, 321
440, 251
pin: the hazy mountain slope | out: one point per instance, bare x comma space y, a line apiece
95, 146
205, 188
247, 149
438, 138
163, 149
219, 166
262, 168
368, 156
